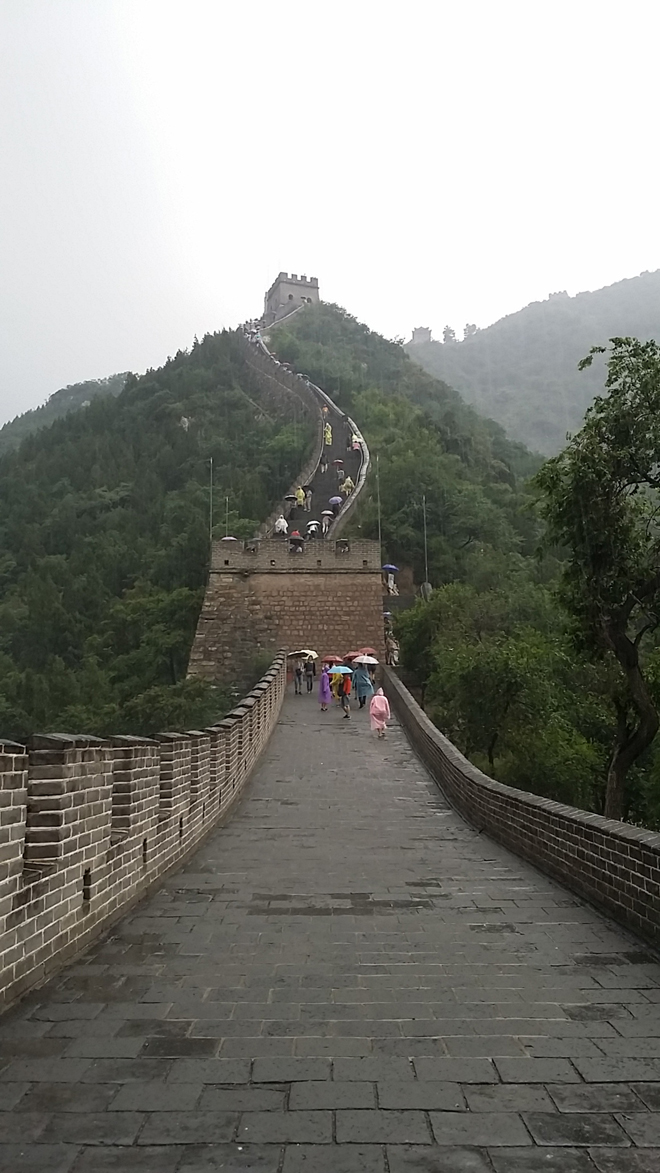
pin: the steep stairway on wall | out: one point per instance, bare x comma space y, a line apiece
324, 485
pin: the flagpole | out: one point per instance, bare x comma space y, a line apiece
380, 543
211, 504
426, 547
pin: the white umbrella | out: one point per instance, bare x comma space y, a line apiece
307, 652
365, 660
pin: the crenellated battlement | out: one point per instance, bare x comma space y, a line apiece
280, 556
288, 293
89, 824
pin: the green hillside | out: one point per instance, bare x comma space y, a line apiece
104, 543
522, 371
59, 404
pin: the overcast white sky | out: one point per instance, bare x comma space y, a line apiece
431, 162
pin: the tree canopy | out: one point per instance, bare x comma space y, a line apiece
601, 500
104, 542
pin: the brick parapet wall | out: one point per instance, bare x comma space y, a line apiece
86, 825
244, 615
613, 865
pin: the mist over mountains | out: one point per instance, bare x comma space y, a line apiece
522, 371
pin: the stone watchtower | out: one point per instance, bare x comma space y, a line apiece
267, 594
420, 335
287, 294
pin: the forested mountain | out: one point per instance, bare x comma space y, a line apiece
104, 543
492, 655
428, 443
522, 371
59, 404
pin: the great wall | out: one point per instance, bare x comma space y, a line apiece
348, 970
87, 825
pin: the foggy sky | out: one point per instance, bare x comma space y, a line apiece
430, 162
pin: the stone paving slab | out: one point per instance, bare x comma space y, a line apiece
344, 978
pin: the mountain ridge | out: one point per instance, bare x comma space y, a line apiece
522, 370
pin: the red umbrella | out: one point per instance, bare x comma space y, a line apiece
331, 660
367, 652
351, 655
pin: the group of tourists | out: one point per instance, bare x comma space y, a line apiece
362, 680
337, 684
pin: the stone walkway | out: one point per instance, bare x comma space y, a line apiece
344, 979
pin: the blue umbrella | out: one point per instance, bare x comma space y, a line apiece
341, 669
392, 569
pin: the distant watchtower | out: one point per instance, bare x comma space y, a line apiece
287, 294
419, 335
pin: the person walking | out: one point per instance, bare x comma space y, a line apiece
310, 673
308, 499
364, 689
325, 524
298, 677
300, 497
323, 464
347, 486
345, 695
325, 695
379, 711
282, 525
327, 435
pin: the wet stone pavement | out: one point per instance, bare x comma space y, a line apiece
344, 979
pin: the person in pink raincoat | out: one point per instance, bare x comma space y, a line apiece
325, 695
379, 711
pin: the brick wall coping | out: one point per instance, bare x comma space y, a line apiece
274, 555
88, 824
610, 863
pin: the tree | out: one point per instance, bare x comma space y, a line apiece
601, 500
469, 329
448, 334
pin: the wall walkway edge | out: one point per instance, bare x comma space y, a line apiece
613, 865
89, 825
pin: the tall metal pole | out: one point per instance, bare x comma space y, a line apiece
226, 517
426, 545
380, 544
211, 504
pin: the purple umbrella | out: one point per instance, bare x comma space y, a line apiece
336, 500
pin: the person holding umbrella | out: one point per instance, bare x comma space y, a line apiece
364, 688
336, 503
344, 691
326, 520
389, 570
